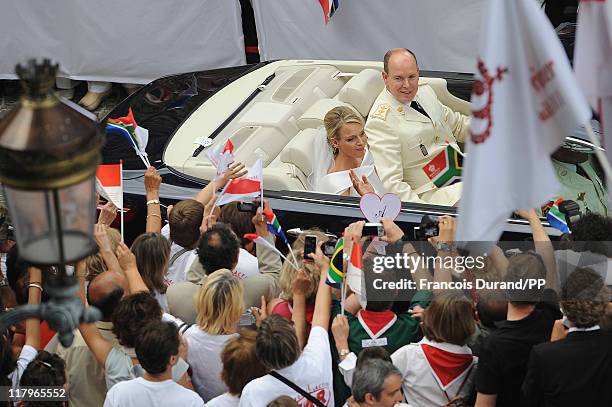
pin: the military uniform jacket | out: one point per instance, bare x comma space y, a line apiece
588, 192
402, 141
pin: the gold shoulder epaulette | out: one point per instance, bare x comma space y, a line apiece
381, 111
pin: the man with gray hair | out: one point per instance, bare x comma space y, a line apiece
377, 383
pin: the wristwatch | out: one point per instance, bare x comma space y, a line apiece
445, 247
153, 202
343, 352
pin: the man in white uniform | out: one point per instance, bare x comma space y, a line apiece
410, 132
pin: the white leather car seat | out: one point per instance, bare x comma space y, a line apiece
299, 152
362, 89
439, 86
313, 116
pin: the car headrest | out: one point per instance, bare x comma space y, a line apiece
362, 89
313, 116
300, 149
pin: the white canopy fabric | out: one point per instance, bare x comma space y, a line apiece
133, 41
442, 33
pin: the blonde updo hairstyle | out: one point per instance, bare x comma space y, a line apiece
287, 273
335, 119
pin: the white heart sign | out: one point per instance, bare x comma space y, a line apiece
374, 207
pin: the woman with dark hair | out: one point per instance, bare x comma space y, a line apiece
46, 370
152, 252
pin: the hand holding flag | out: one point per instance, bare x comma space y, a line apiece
242, 189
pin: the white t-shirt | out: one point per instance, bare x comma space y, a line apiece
312, 372
224, 400
28, 353
177, 271
140, 392
204, 357
161, 300
247, 265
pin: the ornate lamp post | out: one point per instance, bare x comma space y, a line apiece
49, 151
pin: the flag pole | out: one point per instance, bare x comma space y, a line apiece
122, 205
216, 197
603, 160
291, 253
342, 295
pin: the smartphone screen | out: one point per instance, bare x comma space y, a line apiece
310, 246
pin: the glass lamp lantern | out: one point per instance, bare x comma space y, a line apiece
49, 152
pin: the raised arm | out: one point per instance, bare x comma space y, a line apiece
322, 310
393, 235
99, 346
543, 247
32, 335
104, 245
235, 170
446, 241
300, 286
152, 182
127, 261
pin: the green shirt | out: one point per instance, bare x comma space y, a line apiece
394, 331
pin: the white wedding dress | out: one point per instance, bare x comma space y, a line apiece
338, 182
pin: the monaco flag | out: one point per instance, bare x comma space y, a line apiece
221, 156
109, 183
525, 101
593, 63
243, 189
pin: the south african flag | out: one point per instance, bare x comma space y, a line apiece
445, 168
335, 275
556, 218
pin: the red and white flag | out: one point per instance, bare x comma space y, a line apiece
221, 156
109, 183
593, 64
243, 189
525, 101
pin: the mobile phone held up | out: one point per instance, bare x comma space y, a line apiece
373, 229
310, 246
248, 207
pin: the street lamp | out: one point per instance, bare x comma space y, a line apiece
49, 151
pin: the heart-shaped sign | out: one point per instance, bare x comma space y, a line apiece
374, 207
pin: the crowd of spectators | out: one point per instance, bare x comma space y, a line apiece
195, 314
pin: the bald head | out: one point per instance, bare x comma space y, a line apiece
105, 291
399, 53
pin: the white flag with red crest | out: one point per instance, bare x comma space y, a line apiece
524, 102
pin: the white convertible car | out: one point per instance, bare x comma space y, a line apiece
270, 110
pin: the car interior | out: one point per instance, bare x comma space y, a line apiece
280, 123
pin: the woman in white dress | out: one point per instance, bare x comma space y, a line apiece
343, 164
